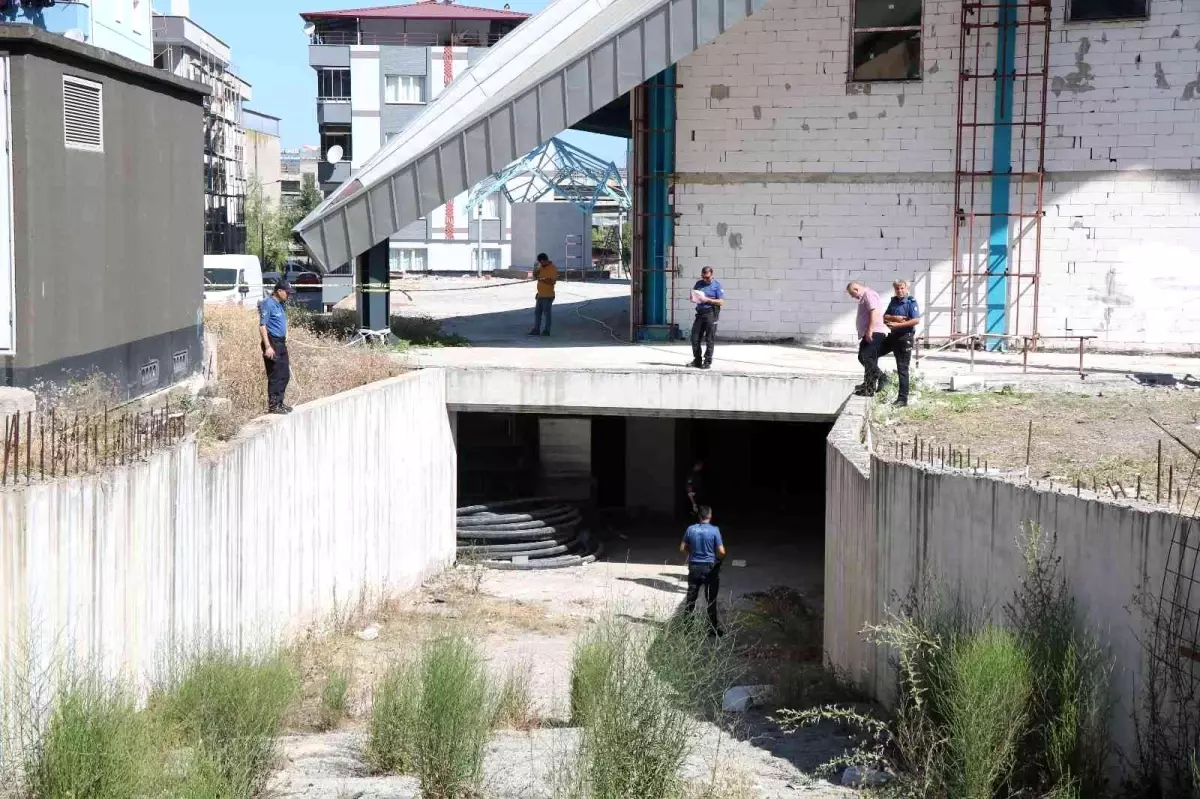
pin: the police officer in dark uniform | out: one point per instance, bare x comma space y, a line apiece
902, 317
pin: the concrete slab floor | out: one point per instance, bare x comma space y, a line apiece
591, 322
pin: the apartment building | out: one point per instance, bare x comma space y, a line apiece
119, 26
261, 158
1033, 168
187, 50
376, 70
296, 164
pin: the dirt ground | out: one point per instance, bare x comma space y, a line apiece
1105, 438
530, 621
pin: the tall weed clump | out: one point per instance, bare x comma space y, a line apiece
454, 717
636, 728
431, 716
984, 710
94, 745
1066, 752
226, 710
986, 706
392, 728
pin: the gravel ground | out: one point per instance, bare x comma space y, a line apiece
531, 622
1102, 438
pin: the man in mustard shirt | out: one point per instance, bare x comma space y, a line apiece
546, 274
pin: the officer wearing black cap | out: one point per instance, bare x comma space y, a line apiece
272, 325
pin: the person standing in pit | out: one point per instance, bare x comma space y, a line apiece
696, 488
709, 298
871, 334
272, 327
546, 274
705, 551
902, 317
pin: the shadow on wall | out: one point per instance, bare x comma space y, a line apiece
177, 549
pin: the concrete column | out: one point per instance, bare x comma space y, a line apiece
650, 464
371, 272
453, 415
565, 456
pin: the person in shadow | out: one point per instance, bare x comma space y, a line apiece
705, 551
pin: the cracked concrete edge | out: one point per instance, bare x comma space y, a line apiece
851, 435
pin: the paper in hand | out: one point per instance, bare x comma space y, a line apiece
698, 296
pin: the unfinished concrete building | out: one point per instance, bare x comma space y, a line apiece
187, 50
795, 145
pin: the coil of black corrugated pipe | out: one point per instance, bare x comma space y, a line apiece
521, 534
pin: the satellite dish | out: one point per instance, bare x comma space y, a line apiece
75, 34
334, 154
309, 29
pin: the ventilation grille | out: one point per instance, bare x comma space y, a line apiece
150, 374
179, 363
83, 114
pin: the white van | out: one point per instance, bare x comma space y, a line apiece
233, 279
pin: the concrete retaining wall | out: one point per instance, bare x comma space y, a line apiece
891, 525
301, 515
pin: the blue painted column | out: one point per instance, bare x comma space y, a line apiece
372, 300
660, 165
998, 261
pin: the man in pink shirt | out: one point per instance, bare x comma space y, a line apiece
872, 332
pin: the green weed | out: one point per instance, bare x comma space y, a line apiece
227, 709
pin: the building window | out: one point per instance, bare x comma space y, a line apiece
333, 84
886, 40
404, 88
340, 137
83, 114
489, 260
490, 207
1104, 10
406, 259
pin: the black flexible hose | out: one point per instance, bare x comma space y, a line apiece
540, 531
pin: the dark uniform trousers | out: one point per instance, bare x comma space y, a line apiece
704, 329
279, 371
868, 356
900, 344
707, 575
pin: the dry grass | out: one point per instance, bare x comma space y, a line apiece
448, 602
320, 366
1097, 439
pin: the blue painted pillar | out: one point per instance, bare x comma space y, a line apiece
660, 223
372, 274
998, 262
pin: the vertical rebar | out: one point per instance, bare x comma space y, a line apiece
17, 448
7, 444
106, 452
1158, 474
1078, 487
1029, 444
42, 448
75, 435
28, 445
1170, 481
1138, 490
53, 445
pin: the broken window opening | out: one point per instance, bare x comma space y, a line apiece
1106, 10
886, 40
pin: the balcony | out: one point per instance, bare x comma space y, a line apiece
336, 174
328, 55
333, 111
332, 40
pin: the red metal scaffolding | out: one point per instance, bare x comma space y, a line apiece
989, 290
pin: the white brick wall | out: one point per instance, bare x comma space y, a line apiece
793, 182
